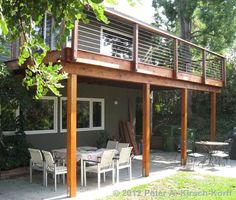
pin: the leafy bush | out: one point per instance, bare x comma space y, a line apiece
13, 149
15, 152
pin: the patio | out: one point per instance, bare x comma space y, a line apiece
162, 164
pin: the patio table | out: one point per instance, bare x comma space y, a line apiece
82, 153
210, 147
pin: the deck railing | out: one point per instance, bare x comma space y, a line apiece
143, 44
155, 48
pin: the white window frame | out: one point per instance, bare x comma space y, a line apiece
90, 128
54, 130
55, 109
51, 45
117, 32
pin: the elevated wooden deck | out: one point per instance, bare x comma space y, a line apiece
88, 64
139, 53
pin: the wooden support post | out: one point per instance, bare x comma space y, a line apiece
184, 117
71, 133
135, 46
74, 44
213, 116
176, 61
204, 66
146, 130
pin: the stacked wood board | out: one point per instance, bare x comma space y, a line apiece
127, 135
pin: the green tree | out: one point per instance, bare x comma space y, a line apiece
21, 17
211, 23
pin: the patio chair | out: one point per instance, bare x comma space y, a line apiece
104, 164
122, 145
188, 150
194, 155
36, 162
51, 167
220, 155
124, 161
112, 144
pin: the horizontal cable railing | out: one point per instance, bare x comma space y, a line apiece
114, 39
214, 66
190, 59
155, 49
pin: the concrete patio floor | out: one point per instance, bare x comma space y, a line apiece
162, 164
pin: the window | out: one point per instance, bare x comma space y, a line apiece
115, 43
90, 115
41, 116
48, 32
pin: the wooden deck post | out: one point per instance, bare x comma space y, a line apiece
184, 117
74, 44
204, 66
146, 130
213, 116
135, 46
176, 58
71, 133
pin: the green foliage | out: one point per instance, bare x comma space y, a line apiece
102, 140
211, 24
13, 149
22, 17
208, 23
166, 110
15, 152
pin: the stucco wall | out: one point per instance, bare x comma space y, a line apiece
113, 113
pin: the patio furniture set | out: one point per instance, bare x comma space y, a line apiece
209, 152
113, 158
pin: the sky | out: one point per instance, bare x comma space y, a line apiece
142, 11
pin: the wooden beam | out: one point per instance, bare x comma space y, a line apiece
213, 116
184, 117
135, 46
97, 57
133, 77
176, 57
146, 130
213, 82
71, 133
74, 44
89, 58
204, 66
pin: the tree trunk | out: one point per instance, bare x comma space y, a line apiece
185, 33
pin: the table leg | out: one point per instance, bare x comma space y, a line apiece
82, 172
